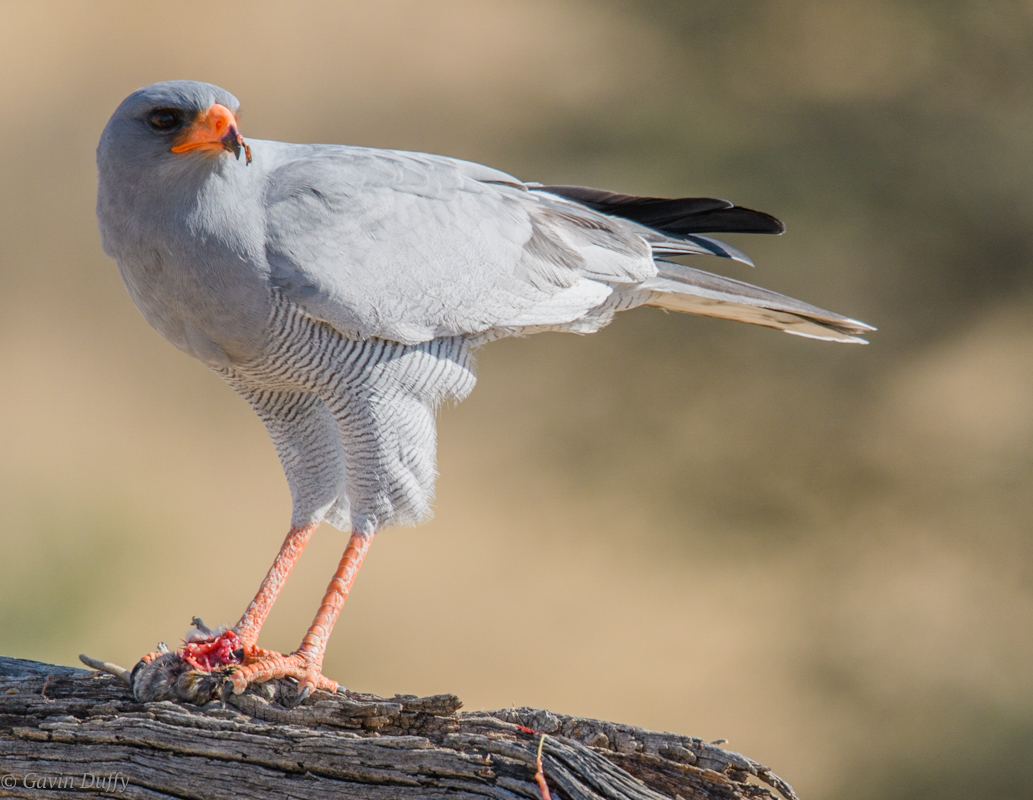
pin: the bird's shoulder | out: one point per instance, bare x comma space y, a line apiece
340, 172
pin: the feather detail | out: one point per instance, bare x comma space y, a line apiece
692, 291
677, 216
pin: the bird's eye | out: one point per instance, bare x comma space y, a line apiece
165, 119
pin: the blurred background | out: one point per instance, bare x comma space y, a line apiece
822, 553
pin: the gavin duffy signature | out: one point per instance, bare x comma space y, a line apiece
114, 782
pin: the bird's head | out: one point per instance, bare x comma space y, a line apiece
172, 121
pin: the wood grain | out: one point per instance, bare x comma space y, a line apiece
61, 727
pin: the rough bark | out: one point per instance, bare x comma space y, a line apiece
61, 728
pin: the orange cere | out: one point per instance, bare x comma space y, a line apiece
209, 131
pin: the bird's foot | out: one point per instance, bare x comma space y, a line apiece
212, 662
264, 665
207, 650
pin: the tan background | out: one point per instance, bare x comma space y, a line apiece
820, 552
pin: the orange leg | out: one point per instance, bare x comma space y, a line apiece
305, 663
258, 609
206, 650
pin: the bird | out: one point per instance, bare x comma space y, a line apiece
341, 290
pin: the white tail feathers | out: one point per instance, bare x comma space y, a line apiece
692, 291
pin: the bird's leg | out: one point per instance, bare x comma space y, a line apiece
258, 609
305, 663
207, 650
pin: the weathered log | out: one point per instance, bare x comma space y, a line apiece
68, 733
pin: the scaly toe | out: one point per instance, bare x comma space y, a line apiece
300, 666
254, 654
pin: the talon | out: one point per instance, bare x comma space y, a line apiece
238, 683
302, 696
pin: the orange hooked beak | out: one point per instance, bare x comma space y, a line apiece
214, 129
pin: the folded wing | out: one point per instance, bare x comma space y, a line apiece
411, 247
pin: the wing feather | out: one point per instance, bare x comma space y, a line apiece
410, 247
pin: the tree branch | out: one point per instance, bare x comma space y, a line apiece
67, 732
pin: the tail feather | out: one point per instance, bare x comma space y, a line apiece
692, 291
674, 227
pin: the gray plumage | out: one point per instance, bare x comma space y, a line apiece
340, 290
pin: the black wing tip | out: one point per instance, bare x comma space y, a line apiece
678, 216
736, 219
773, 224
